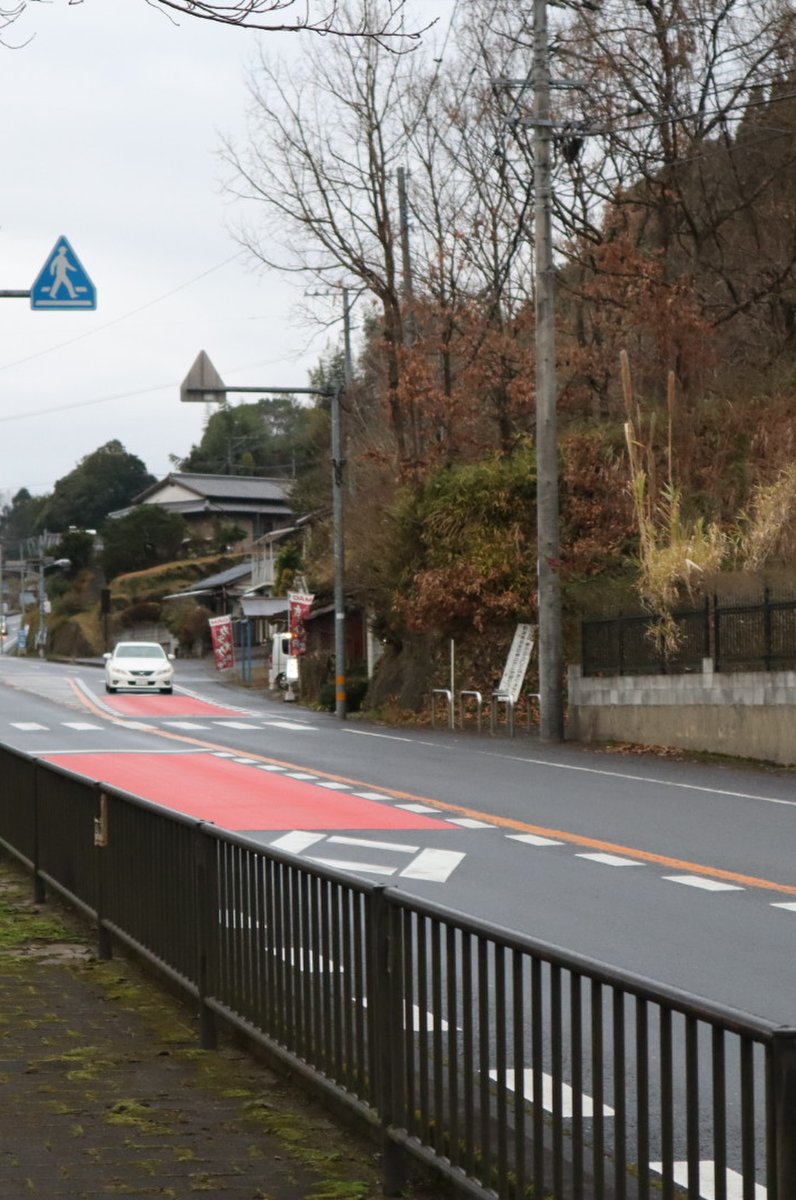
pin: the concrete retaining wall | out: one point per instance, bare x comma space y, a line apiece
749, 714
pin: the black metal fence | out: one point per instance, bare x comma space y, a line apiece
742, 636
507, 1065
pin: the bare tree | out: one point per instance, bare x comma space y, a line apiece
275, 16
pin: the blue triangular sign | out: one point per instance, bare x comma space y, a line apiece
62, 282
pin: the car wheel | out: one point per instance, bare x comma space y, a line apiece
166, 691
281, 681
110, 689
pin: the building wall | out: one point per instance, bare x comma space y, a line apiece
749, 714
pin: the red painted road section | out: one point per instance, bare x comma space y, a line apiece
153, 704
239, 797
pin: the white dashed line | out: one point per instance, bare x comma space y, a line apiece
297, 840
417, 808
707, 1180
701, 881
286, 725
533, 839
81, 725
372, 796
434, 866
789, 905
301, 775
185, 725
398, 847
611, 860
28, 726
236, 724
469, 823
333, 786
587, 1104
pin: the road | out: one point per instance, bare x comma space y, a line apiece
679, 871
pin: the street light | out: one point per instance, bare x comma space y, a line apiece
45, 564
203, 383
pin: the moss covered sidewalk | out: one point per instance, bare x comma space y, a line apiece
103, 1091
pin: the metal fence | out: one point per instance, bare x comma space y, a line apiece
510, 1067
743, 636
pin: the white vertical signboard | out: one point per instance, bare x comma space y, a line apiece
517, 661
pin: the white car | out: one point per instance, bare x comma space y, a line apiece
139, 666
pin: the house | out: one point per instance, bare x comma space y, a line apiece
255, 504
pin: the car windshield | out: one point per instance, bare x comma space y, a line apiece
133, 651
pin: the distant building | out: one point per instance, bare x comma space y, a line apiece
255, 504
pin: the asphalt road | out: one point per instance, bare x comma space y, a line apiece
679, 871
675, 870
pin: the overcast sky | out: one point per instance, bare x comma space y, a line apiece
112, 121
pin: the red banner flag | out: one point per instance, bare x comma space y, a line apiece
299, 604
223, 642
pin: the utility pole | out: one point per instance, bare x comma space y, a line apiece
348, 362
338, 465
551, 702
406, 258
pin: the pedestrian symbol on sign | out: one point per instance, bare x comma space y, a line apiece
62, 281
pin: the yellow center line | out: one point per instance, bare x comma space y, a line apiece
563, 835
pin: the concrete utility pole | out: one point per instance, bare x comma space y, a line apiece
551, 701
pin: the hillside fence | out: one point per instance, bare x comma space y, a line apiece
736, 636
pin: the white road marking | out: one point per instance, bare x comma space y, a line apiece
418, 1025
300, 775
707, 1180
288, 725
343, 865
247, 762
434, 866
611, 860
707, 885
185, 725
469, 823
790, 905
533, 839
398, 847
28, 726
587, 1104
372, 796
418, 808
688, 787
82, 725
269, 767
236, 724
297, 840
390, 737
333, 786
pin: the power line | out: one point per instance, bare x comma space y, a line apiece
118, 320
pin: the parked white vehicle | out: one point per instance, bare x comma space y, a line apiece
278, 661
139, 666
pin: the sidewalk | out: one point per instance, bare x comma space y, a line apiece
104, 1091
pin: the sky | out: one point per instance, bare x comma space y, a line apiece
113, 120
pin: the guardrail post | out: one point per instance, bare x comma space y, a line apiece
39, 891
101, 836
783, 1085
207, 917
386, 1023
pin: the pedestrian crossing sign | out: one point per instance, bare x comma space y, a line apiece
62, 282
